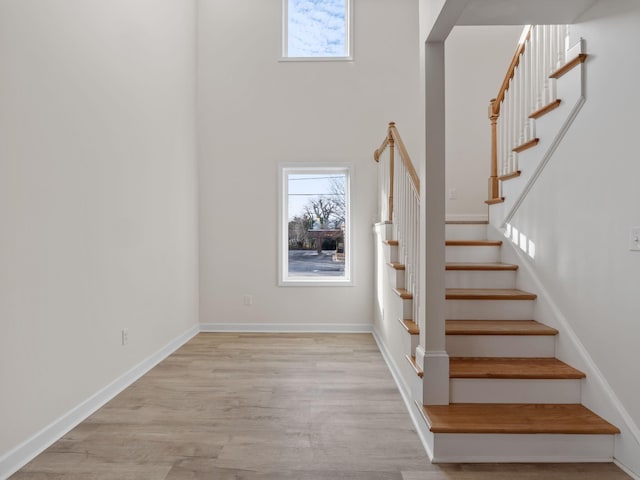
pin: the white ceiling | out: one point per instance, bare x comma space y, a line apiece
503, 12
519, 12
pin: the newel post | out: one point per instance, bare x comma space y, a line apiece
391, 169
494, 188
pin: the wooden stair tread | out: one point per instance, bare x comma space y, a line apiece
488, 294
480, 266
396, 266
580, 58
410, 326
526, 146
473, 243
498, 327
514, 368
546, 109
516, 419
391, 242
403, 293
412, 360
510, 176
466, 222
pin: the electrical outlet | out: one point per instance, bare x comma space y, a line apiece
125, 336
453, 194
634, 239
247, 299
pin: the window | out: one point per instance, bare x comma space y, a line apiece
315, 239
317, 30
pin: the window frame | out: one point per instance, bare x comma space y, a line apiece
284, 170
348, 40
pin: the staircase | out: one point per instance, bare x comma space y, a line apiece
511, 400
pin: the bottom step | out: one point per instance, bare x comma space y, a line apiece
462, 433
516, 418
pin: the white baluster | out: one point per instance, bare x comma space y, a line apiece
526, 65
502, 139
564, 46
552, 62
541, 65
514, 124
513, 91
508, 116
567, 44
532, 80
512, 127
536, 63
545, 62
522, 101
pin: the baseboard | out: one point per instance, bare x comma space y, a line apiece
626, 470
286, 328
467, 217
421, 427
17, 458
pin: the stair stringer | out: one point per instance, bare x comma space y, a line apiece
597, 394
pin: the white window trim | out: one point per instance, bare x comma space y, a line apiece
285, 38
284, 280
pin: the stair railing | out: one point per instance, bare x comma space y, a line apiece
527, 92
399, 204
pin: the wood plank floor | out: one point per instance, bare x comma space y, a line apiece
266, 407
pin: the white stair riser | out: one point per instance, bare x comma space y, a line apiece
407, 309
480, 279
521, 448
409, 343
415, 340
495, 390
472, 254
465, 232
489, 309
526, 346
391, 253
396, 278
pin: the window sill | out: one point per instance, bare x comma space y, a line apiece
315, 59
314, 282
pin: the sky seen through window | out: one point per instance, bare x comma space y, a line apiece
317, 28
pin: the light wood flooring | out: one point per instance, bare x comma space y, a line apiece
266, 407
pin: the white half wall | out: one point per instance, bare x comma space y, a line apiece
98, 203
476, 61
579, 215
255, 112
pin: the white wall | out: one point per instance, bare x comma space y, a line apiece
255, 112
581, 209
97, 197
476, 61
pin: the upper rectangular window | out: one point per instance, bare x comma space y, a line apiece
315, 235
317, 30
